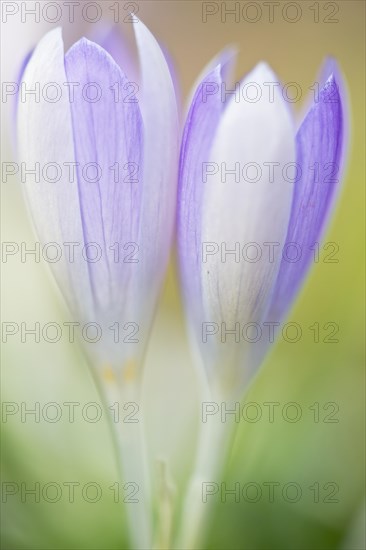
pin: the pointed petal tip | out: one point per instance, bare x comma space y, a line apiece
228, 55
150, 51
91, 50
52, 36
262, 72
140, 28
229, 51
56, 32
51, 43
331, 72
83, 44
267, 81
330, 69
333, 85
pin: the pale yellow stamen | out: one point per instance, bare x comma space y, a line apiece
108, 374
130, 370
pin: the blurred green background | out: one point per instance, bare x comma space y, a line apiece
305, 452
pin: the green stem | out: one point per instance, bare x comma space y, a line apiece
129, 442
214, 441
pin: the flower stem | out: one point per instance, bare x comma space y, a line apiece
123, 407
213, 444
166, 495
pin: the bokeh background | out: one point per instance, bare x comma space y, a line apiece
305, 452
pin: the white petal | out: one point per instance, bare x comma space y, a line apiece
45, 136
160, 119
247, 211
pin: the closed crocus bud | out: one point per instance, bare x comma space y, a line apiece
253, 193
106, 151
253, 190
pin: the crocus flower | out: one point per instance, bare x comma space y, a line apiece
236, 195
224, 209
106, 150
112, 143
